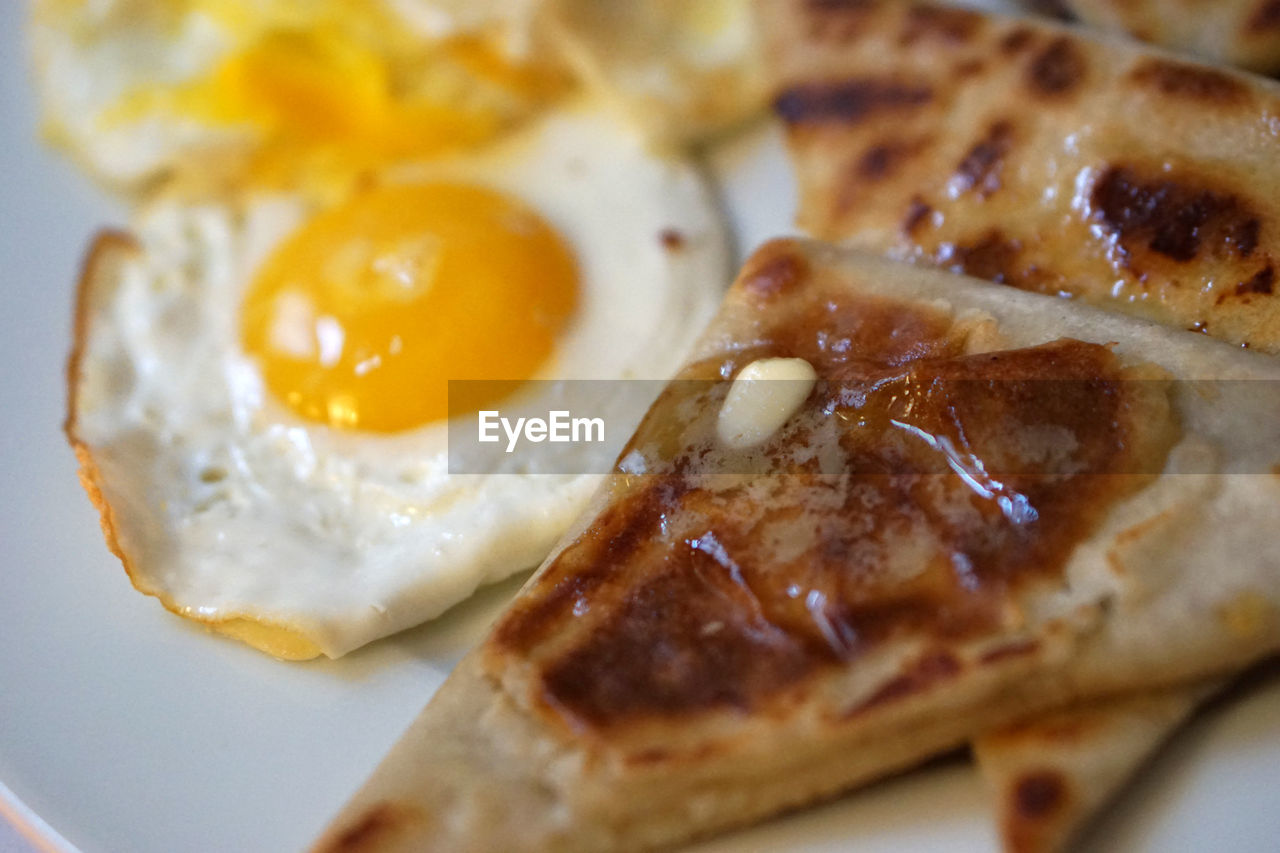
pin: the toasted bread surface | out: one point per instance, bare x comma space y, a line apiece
721, 639
1036, 155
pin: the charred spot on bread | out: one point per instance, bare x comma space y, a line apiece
1016, 40
948, 24
775, 273
624, 529
927, 671
1262, 283
881, 162
1266, 16
917, 212
1173, 217
980, 168
1189, 81
1058, 69
836, 21
883, 159
846, 101
1039, 794
655, 656
992, 257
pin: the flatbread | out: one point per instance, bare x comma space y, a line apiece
1033, 154
950, 174
1234, 32
1050, 776
708, 648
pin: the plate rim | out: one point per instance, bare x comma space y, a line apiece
30, 825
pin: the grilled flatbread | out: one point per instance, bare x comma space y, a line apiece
1235, 32
1050, 776
915, 148
991, 505
1030, 154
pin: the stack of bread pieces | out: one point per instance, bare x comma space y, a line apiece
1029, 500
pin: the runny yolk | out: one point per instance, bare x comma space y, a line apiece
361, 317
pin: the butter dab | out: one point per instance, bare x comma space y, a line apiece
763, 396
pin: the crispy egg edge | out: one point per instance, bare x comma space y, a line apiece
107, 249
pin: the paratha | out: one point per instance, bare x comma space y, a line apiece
992, 504
1235, 32
1035, 155
1017, 151
1049, 776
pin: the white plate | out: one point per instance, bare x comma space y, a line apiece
123, 728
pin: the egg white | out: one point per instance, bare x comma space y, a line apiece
228, 507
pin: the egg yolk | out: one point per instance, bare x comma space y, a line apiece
362, 316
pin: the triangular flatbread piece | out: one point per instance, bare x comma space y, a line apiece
1234, 32
1032, 154
1049, 776
989, 505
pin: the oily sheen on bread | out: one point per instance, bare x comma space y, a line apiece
1233, 32
1015, 151
1035, 155
992, 505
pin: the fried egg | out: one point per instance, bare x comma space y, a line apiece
277, 91
257, 389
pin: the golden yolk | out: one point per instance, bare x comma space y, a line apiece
361, 317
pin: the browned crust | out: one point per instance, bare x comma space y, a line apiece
925, 673
773, 275
662, 592
1039, 800
1140, 208
491, 765
1266, 16
1189, 80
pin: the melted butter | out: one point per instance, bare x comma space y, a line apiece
764, 395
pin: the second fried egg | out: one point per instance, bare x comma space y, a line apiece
276, 92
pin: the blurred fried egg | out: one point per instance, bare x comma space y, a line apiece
257, 390
271, 91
